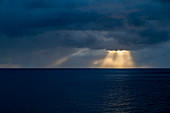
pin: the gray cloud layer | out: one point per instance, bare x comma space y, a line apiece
95, 24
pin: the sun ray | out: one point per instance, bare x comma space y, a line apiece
62, 60
118, 59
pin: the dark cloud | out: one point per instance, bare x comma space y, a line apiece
95, 24
167, 1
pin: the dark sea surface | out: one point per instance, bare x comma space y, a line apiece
84, 91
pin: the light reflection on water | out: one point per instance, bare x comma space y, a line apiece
118, 96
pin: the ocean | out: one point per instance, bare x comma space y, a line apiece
84, 90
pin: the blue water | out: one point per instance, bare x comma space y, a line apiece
84, 91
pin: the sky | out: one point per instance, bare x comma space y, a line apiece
78, 33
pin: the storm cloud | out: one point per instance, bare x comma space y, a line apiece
95, 24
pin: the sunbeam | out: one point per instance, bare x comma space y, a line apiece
62, 60
118, 59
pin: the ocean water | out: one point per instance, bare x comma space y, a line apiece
84, 91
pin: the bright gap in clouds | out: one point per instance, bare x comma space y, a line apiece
118, 59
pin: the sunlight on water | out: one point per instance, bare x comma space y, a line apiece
118, 59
